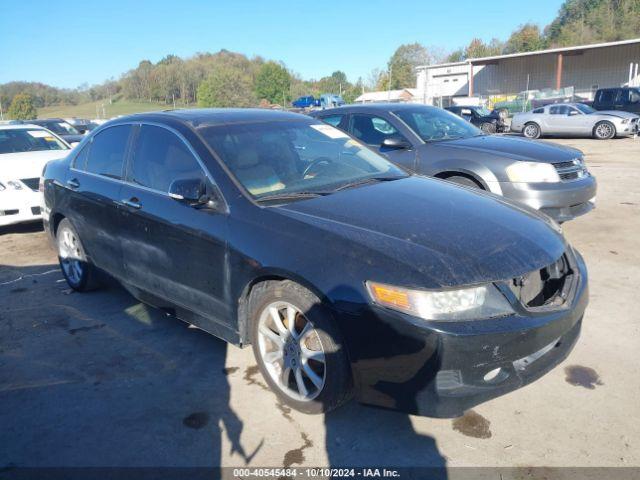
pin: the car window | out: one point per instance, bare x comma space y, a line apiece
333, 119
559, 110
372, 130
538, 110
160, 157
108, 148
28, 140
634, 96
434, 124
606, 96
80, 161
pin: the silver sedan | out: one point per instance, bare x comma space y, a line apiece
577, 120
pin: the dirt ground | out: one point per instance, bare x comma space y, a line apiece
98, 379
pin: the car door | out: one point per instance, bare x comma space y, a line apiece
171, 249
372, 130
559, 121
606, 99
95, 184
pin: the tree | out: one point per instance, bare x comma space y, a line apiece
456, 56
526, 38
22, 107
273, 83
226, 87
403, 63
477, 48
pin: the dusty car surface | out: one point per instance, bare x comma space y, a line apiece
346, 275
575, 120
431, 141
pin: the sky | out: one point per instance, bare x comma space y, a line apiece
69, 44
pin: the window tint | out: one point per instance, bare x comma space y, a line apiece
607, 96
80, 162
634, 96
333, 119
539, 110
28, 140
160, 157
559, 110
372, 130
107, 151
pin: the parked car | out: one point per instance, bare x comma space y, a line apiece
275, 230
24, 151
626, 99
304, 102
489, 121
575, 119
82, 125
330, 100
61, 128
431, 141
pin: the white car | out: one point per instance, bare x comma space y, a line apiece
24, 151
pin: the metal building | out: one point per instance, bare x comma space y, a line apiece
581, 70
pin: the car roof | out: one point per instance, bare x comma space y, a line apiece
196, 117
376, 107
20, 126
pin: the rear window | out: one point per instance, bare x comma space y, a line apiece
28, 140
108, 148
538, 110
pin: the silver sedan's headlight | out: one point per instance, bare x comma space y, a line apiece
14, 184
532, 172
2, 187
470, 303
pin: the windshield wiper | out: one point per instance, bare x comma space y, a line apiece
365, 181
291, 196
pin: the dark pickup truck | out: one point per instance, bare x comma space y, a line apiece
626, 99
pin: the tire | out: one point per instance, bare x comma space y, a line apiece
314, 355
604, 130
465, 181
488, 127
76, 269
531, 130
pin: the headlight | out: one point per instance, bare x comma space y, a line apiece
532, 172
2, 187
15, 185
471, 303
626, 120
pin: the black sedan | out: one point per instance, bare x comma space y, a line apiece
346, 275
431, 141
489, 121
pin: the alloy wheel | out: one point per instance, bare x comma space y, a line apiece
604, 130
531, 131
291, 351
70, 256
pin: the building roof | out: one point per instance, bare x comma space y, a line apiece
386, 95
576, 49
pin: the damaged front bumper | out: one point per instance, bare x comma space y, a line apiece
441, 369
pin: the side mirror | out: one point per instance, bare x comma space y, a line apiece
395, 143
188, 190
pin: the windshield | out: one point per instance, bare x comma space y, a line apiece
28, 140
281, 158
61, 128
585, 108
435, 124
484, 111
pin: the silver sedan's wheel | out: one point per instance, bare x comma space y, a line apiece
604, 130
531, 130
291, 351
70, 256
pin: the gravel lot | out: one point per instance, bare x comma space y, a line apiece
98, 379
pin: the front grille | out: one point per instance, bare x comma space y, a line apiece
572, 170
32, 183
546, 288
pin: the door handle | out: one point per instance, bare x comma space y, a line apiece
73, 183
133, 203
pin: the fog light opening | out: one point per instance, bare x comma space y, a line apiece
496, 375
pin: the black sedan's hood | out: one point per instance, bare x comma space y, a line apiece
514, 148
442, 234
